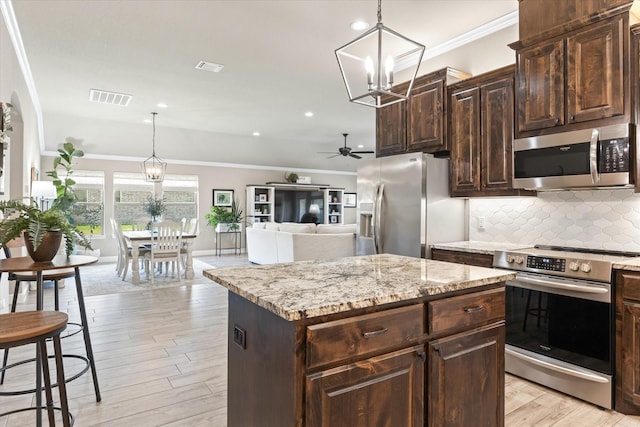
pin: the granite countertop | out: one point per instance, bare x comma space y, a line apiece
479, 247
307, 289
632, 265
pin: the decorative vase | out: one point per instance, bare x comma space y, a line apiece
48, 247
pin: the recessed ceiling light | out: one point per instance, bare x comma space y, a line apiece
147, 120
162, 105
359, 25
309, 114
256, 134
360, 146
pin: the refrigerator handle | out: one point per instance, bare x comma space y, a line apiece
377, 220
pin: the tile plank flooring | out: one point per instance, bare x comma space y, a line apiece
161, 360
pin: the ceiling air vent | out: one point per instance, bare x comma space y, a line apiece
209, 66
112, 98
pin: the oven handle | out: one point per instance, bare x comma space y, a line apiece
550, 283
579, 374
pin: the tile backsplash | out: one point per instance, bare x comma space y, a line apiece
601, 219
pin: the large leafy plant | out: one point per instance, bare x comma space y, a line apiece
222, 215
65, 197
20, 218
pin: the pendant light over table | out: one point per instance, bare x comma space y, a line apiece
154, 167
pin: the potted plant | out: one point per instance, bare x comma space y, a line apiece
225, 220
155, 207
43, 230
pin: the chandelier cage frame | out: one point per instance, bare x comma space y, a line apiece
368, 64
154, 168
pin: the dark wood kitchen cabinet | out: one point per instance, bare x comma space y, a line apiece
627, 390
419, 123
463, 368
432, 361
481, 135
460, 257
575, 80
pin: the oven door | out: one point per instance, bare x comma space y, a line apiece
564, 319
560, 334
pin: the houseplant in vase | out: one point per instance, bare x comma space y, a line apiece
43, 230
225, 220
155, 207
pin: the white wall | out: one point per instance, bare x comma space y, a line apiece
209, 177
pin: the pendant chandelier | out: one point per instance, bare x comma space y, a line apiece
370, 64
154, 167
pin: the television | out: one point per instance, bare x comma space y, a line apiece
294, 205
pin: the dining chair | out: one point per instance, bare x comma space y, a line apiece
166, 247
125, 252
190, 227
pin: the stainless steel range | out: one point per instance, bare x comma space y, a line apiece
560, 319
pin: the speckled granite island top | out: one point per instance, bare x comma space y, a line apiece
307, 289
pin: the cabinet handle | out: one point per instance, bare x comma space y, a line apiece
422, 355
473, 309
572, 118
557, 120
372, 334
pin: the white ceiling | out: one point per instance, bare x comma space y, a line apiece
278, 56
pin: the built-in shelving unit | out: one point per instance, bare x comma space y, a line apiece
260, 203
333, 201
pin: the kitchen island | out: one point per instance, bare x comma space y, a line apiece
369, 340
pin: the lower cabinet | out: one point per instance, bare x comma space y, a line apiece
385, 390
466, 379
435, 361
627, 398
459, 257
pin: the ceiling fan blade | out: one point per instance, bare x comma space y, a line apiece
331, 157
363, 152
354, 156
326, 152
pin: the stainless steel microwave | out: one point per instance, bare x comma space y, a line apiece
589, 158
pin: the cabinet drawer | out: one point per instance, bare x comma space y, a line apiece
341, 339
631, 286
466, 311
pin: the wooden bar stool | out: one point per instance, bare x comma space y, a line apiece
35, 327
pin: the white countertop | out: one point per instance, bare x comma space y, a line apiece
307, 289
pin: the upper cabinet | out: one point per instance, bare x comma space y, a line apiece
418, 124
576, 79
481, 135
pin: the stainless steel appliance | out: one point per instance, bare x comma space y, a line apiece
404, 205
560, 319
588, 158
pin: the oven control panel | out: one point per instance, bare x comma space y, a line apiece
546, 263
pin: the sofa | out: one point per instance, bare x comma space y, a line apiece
272, 242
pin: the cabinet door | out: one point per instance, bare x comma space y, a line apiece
540, 89
425, 121
497, 134
629, 402
387, 390
595, 72
465, 140
466, 379
391, 129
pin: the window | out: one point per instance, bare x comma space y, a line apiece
130, 191
88, 212
180, 193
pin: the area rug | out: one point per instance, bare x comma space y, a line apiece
101, 279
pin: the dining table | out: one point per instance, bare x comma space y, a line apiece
145, 237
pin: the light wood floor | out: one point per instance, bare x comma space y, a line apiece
161, 359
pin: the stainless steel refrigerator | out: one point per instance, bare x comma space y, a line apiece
404, 206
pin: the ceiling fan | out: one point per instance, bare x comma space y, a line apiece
346, 151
